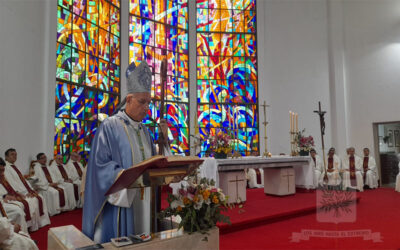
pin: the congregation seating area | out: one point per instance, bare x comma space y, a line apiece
29, 202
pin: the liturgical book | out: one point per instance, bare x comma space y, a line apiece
130, 175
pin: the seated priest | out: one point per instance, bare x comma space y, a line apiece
121, 141
352, 169
332, 174
12, 237
75, 172
22, 186
317, 165
28, 204
53, 193
397, 188
59, 176
255, 177
13, 212
66, 179
371, 175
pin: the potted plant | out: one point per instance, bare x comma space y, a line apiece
198, 205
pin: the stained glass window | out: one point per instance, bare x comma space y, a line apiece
227, 72
159, 29
88, 70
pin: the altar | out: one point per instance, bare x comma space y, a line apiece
282, 174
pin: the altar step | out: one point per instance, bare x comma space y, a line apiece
261, 209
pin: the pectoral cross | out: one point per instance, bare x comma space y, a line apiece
265, 123
238, 200
288, 181
322, 125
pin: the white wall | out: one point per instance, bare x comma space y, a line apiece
293, 68
24, 67
372, 45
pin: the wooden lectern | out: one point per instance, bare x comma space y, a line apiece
154, 172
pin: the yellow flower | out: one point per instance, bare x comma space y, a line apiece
186, 201
195, 198
179, 208
215, 200
206, 194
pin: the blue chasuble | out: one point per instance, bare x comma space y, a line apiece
110, 153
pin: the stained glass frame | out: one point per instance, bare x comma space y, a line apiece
227, 79
154, 32
88, 65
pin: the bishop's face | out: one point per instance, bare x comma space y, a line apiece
11, 157
137, 105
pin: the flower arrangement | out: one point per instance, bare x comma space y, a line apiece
304, 143
198, 205
220, 143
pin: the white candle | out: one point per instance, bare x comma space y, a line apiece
297, 123
290, 114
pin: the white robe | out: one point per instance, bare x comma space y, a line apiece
252, 177
397, 188
318, 170
33, 209
334, 178
16, 214
49, 193
74, 176
11, 240
16, 183
70, 202
371, 176
359, 173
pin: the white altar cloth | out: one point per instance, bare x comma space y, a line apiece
304, 175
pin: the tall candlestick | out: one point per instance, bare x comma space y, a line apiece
297, 123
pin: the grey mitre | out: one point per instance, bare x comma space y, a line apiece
138, 78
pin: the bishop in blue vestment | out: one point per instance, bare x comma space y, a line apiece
121, 141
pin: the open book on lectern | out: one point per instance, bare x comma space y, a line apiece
130, 175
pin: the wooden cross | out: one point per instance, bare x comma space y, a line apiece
238, 200
288, 175
322, 125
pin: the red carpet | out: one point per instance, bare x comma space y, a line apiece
377, 211
67, 218
260, 209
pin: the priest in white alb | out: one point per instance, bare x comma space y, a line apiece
332, 175
54, 195
12, 237
121, 141
352, 169
75, 169
22, 186
397, 187
371, 175
255, 177
28, 204
317, 164
63, 177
